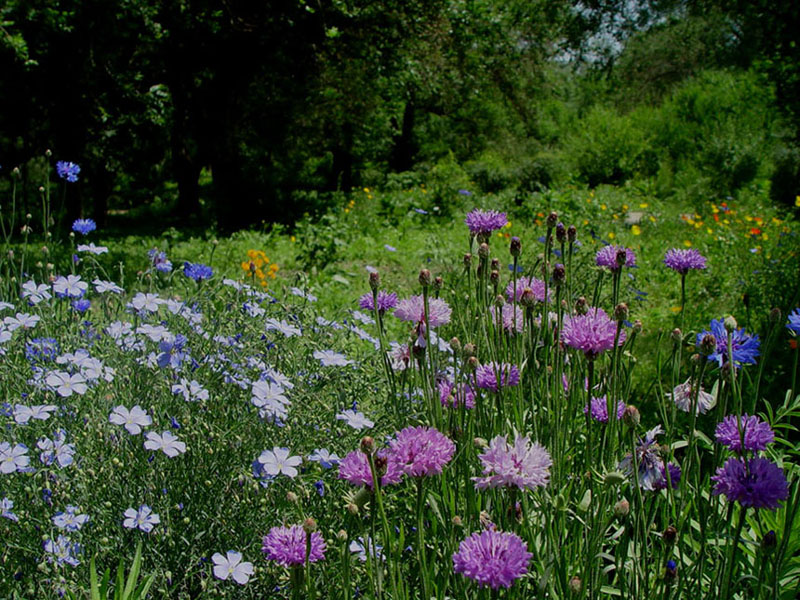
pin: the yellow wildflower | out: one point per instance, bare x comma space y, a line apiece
636, 230
687, 243
612, 235
643, 205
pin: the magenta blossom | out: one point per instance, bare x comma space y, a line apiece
607, 257
536, 286
523, 465
287, 546
386, 301
413, 309
591, 333
355, 468
484, 222
493, 558
421, 451
456, 395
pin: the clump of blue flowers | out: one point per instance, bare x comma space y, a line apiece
68, 170
84, 226
197, 271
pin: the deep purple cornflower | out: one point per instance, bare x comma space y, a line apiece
591, 333
756, 433
493, 558
484, 222
599, 409
68, 170
84, 226
523, 465
650, 465
536, 286
745, 347
674, 477
413, 309
493, 376
197, 271
287, 546
760, 483
386, 301
355, 468
794, 321
455, 395
421, 451
607, 257
682, 260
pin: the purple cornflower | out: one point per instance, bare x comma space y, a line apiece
197, 271
484, 222
510, 317
386, 301
649, 463
455, 395
599, 409
757, 434
355, 469
84, 226
413, 309
794, 321
231, 565
674, 477
535, 285
493, 376
607, 257
745, 347
683, 260
493, 558
68, 171
523, 465
144, 519
591, 333
287, 546
760, 483
421, 451
81, 305
683, 396
159, 260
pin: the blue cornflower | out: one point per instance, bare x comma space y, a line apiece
44, 349
320, 487
84, 226
81, 305
68, 170
794, 321
197, 271
159, 260
745, 347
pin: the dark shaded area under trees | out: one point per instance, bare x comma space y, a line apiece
283, 103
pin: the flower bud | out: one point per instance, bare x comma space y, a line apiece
367, 444
483, 250
670, 534
622, 257
467, 259
15, 172
527, 298
561, 232
309, 525
622, 509
48, 153
552, 219
496, 264
341, 535
438, 282
291, 497
575, 585
581, 306
457, 521
572, 233
730, 324
775, 315
631, 416
559, 274
695, 358
352, 508
479, 442
621, 312
469, 350
499, 301
455, 344
769, 541
494, 276
381, 465
515, 247
708, 345
637, 326
614, 478
677, 335
424, 278
374, 280
472, 363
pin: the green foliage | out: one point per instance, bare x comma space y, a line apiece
121, 588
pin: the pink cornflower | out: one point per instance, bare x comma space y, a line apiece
607, 257
355, 468
493, 376
536, 286
455, 395
523, 465
591, 333
493, 558
413, 309
386, 301
287, 546
421, 451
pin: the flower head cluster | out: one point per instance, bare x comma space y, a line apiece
287, 546
591, 333
599, 409
68, 170
385, 301
456, 395
492, 558
197, 271
757, 434
682, 260
759, 483
355, 469
745, 347
648, 463
683, 396
484, 222
421, 451
256, 267
523, 465
536, 286
493, 376
413, 309
607, 257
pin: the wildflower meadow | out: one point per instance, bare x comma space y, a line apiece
482, 404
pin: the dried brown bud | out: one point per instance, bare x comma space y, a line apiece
631, 416
515, 247
367, 444
424, 278
374, 280
561, 232
552, 219
581, 306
